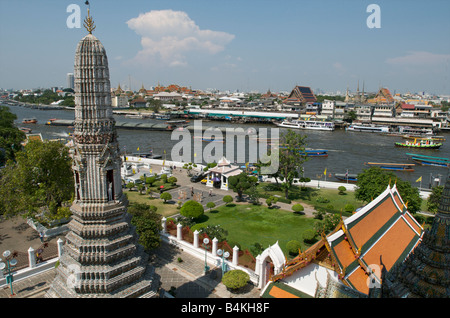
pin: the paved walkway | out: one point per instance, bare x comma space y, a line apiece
185, 277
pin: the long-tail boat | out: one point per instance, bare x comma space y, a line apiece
315, 152
429, 161
393, 166
346, 177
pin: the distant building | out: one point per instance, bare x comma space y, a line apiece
70, 81
138, 102
383, 96
119, 101
301, 95
165, 96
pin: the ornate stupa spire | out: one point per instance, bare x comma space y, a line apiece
89, 23
101, 256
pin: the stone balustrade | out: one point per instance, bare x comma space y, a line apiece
197, 250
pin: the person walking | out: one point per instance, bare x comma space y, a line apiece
41, 236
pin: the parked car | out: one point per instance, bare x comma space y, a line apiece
197, 177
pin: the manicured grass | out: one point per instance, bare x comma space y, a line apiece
248, 224
338, 201
165, 209
310, 195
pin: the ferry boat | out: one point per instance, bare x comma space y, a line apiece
368, 128
416, 132
393, 166
138, 116
162, 116
308, 124
434, 138
420, 143
430, 161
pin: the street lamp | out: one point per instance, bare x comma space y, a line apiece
224, 255
205, 245
7, 269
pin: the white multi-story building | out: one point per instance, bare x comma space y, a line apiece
119, 101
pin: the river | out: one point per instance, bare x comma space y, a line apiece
347, 151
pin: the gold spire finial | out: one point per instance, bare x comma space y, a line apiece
89, 23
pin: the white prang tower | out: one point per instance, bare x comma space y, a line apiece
101, 256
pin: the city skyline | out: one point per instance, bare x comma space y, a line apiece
246, 45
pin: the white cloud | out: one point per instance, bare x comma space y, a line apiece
339, 67
168, 35
419, 58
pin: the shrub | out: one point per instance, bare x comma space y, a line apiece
322, 200
298, 207
349, 208
342, 190
271, 200
293, 247
165, 196
172, 180
192, 209
318, 214
215, 231
227, 199
210, 205
235, 279
309, 237
150, 180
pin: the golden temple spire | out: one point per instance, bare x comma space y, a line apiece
89, 22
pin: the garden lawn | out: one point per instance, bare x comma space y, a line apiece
165, 209
248, 224
310, 195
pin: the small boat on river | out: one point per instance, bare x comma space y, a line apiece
393, 166
315, 152
429, 161
420, 143
29, 121
346, 177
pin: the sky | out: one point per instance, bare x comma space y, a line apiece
245, 45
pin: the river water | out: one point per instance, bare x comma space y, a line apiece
347, 151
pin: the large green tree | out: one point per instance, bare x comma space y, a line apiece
148, 224
291, 158
241, 182
373, 181
41, 177
192, 209
10, 136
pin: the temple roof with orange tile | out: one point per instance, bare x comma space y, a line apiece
379, 235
